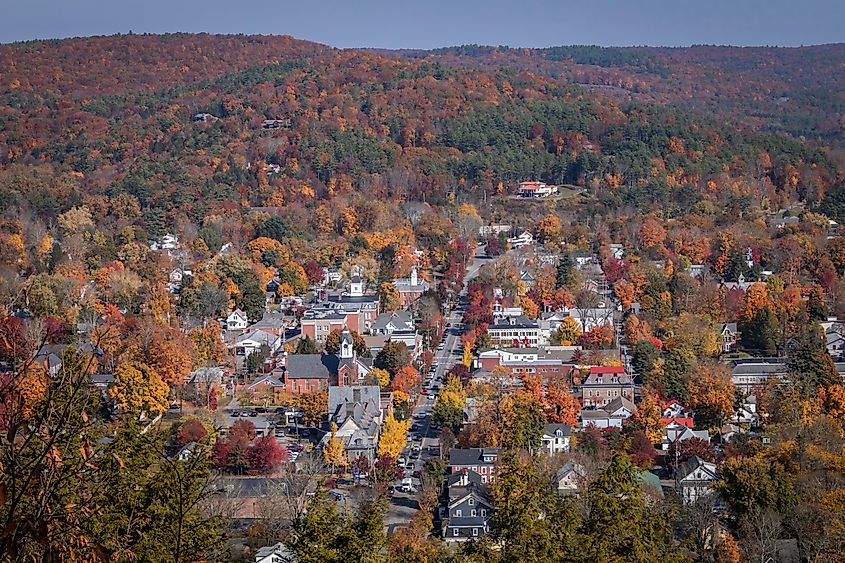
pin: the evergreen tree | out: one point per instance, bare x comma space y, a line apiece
567, 276
306, 346
759, 335
809, 362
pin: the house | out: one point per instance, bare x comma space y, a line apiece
186, 451
469, 510
835, 341
480, 460
536, 189
613, 415
617, 251
277, 553
592, 317
571, 478
388, 323
747, 412
524, 239
485, 231
253, 341
358, 306
694, 479
676, 432
603, 384
748, 373
237, 320
50, 357
276, 123
274, 323
697, 270
555, 438
410, 289
204, 118
359, 414
268, 387
515, 332
673, 409
168, 242
728, 335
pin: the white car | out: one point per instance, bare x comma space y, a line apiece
401, 462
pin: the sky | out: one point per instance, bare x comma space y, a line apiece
427, 24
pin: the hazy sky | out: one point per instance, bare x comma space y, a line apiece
434, 23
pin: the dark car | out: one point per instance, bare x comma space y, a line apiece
253, 414
235, 414
417, 474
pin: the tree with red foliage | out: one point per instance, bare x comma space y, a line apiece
641, 450
313, 271
386, 470
615, 270
266, 454
361, 465
238, 458
460, 371
685, 449
191, 431
242, 429
14, 344
220, 453
212, 400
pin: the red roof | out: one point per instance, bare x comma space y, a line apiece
683, 421
607, 369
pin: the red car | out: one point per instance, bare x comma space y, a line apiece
424, 391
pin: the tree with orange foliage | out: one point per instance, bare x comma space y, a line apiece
625, 293
559, 404
529, 308
548, 229
405, 379
635, 330
599, 337
652, 233
756, 298
711, 393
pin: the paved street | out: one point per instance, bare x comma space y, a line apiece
403, 506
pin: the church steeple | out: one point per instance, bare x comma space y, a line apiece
347, 345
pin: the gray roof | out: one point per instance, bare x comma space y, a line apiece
399, 318
468, 522
361, 402
594, 414
308, 366
471, 456
618, 403
689, 466
552, 428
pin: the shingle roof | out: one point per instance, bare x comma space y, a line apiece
470, 456
310, 366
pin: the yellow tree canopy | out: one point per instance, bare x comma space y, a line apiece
393, 437
138, 388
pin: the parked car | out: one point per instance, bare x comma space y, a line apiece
235, 414
424, 391
253, 414
296, 447
415, 448
401, 462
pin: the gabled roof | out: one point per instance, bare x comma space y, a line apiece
551, 430
569, 468
259, 336
471, 456
619, 403
689, 466
311, 366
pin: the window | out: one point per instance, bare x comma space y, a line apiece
472, 502
454, 531
475, 531
483, 513
458, 513
472, 513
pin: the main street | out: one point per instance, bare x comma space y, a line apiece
403, 505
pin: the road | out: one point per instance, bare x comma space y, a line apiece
402, 505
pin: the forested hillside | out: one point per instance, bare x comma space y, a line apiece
113, 115
797, 91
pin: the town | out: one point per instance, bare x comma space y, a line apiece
267, 300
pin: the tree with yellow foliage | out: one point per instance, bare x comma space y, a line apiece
467, 357
333, 450
382, 375
388, 297
567, 332
138, 388
548, 229
647, 417
392, 438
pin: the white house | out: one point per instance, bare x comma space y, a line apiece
274, 554
728, 335
252, 342
556, 438
694, 479
571, 478
237, 320
525, 239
